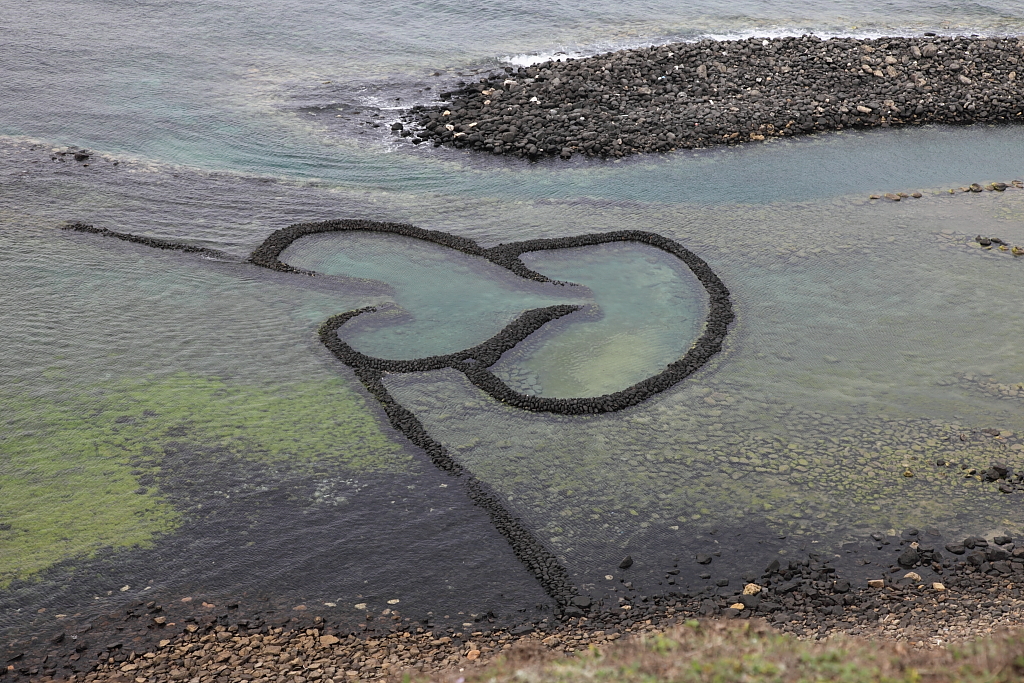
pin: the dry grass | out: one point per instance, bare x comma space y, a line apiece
751, 652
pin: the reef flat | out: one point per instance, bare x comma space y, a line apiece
693, 95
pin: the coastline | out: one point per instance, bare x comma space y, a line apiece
696, 95
192, 640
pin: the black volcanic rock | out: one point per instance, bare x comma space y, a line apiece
691, 95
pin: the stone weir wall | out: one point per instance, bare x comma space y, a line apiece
689, 95
473, 362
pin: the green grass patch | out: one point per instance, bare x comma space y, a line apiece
727, 652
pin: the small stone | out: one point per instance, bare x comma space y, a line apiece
751, 589
626, 563
938, 586
473, 654
913, 576
703, 559
876, 583
328, 640
738, 606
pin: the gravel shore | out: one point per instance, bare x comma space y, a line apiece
928, 597
690, 95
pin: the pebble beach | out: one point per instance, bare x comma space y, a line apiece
927, 597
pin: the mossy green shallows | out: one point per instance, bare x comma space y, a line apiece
70, 472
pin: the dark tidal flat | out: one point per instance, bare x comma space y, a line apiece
693, 95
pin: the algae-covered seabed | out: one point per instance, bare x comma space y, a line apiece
869, 338
112, 355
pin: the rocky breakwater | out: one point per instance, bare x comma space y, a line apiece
690, 95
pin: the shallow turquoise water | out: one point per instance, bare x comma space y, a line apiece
642, 308
647, 311
446, 301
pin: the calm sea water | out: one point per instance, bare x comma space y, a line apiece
867, 334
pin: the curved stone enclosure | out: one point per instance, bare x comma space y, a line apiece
474, 362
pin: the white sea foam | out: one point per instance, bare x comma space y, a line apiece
767, 32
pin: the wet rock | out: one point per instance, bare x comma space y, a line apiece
909, 558
995, 554
626, 563
703, 559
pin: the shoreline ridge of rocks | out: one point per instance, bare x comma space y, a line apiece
956, 597
708, 93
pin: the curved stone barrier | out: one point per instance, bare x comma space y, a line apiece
147, 241
474, 362
691, 95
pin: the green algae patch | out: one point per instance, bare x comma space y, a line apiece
82, 475
66, 490
300, 424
